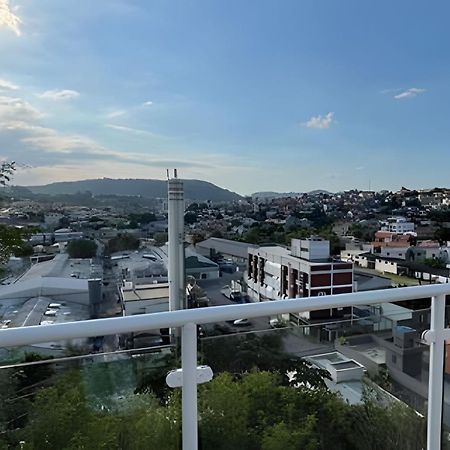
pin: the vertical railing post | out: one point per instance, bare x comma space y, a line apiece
436, 373
189, 387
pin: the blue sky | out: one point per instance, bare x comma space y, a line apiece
250, 95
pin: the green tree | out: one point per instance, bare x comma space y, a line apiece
11, 238
386, 427
14, 407
59, 414
364, 232
142, 218
190, 218
11, 241
7, 169
198, 237
282, 437
246, 352
123, 242
193, 207
64, 222
217, 234
225, 412
435, 263
24, 250
160, 238
252, 411
81, 248
442, 235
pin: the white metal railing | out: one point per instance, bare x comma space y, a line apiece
188, 319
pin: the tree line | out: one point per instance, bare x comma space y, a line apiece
250, 404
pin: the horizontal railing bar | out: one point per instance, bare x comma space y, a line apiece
63, 359
120, 325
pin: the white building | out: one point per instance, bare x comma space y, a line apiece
47, 294
66, 234
307, 270
144, 298
386, 265
393, 252
397, 225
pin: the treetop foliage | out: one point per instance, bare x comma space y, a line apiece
82, 248
123, 242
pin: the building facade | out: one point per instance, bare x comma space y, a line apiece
397, 225
307, 270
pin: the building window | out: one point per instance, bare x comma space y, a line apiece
394, 359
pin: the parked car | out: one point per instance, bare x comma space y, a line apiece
277, 323
241, 323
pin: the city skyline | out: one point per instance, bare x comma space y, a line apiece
291, 97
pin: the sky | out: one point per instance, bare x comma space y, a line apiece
251, 95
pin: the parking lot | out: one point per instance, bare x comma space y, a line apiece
214, 291
294, 342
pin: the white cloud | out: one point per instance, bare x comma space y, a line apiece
17, 125
129, 129
147, 103
7, 85
409, 93
116, 113
76, 170
8, 19
320, 122
50, 140
51, 154
59, 94
17, 109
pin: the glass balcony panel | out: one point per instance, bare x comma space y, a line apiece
83, 394
446, 390
355, 383
359, 383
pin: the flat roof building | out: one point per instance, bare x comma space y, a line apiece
144, 298
307, 270
234, 250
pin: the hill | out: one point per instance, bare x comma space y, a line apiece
193, 189
269, 195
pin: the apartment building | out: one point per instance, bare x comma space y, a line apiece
397, 225
306, 270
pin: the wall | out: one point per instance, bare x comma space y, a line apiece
146, 306
393, 252
204, 273
386, 266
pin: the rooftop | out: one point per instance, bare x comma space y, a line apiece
155, 291
227, 246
